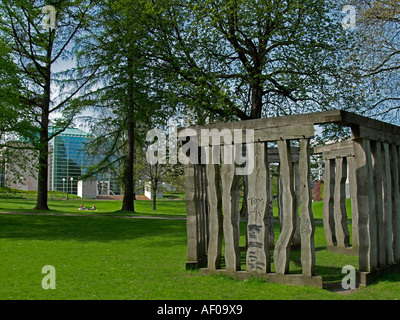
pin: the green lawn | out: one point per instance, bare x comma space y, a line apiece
124, 258
142, 207
109, 207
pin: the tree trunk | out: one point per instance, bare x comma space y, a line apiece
154, 198
41, 201
128, 203
256, 100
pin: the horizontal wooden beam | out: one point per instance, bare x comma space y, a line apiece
366, 132
288, 279
228, 137
335, 150
332, 116
351, 119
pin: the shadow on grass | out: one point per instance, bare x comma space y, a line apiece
52, 228
104, 207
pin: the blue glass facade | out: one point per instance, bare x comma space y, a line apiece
67, 160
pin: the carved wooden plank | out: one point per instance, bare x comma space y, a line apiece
343, 146
353, 198
328, 206
227, 136
276, 122
340, 214
378, 135
215, 213
331, 116
307, 228
294, 131
282, 247
202, 226
280, 202
396, 203
192, 220
270, 219
230, 207
258, 257
366, 205
376, 148
296, 174
273, 154
387, 208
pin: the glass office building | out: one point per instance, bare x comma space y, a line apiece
67, 160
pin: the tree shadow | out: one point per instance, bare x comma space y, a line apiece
81, 228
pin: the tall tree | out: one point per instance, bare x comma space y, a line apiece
377, 25
9, 93
127, 90
45, 93
246, 59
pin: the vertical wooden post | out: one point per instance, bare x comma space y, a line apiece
215, 212
307, 228
192, 219
378, 183
396, 202
199, 187
328, 206
231, 214
296, 174
280, 192
258, 257
282, 247
340, 214
354, 205
387, 208
270, 220
366, 205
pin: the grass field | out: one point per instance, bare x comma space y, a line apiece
107, 258
104, 207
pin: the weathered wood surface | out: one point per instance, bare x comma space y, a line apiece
201, 190
328, 206
335, 150
340, 214
396, 202
215, 137
258, 257
273, 154
296, 182
230, 205
270, 219
282, 247
287, 279
376, 149
192, 218
387, 208
332, 116
353, 198
307, 228
366, 205
374, 134
215, 213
